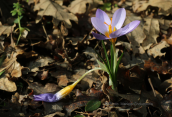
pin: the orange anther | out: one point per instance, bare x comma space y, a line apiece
106, 23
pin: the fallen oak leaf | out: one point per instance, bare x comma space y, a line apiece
164, 6
48, 88
162, 69
79, 6
6, 30
156, 50
6, 84
152, 30
82, 100
137, 36
10, 64
40, 62
52, 8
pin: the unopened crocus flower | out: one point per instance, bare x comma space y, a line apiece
112, 28
49, 97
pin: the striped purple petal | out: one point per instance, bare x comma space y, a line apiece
130, 27
100, 37
103, 16
46, 97
118, 18
116, 33
99, 25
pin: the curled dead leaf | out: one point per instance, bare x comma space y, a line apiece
79, 6
52, 8
6, 30
156, 50
162, 69
152, 30
164, 6
7, 85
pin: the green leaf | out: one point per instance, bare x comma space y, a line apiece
2, 58
13, 13
16, 20
103, 66
119, 60
116, 70
22, 29
116, 5
112, 57
101, 59
79, 115
27, 29
105, 52
2, 72
92, 105
106, 6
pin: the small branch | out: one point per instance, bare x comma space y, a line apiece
45, 32
152, 86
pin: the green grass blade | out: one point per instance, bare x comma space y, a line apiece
109, 72
2, 58
116, 71
112, 58
105, 51
2, 72
119, 62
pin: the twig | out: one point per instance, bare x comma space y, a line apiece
45, 32
152, 86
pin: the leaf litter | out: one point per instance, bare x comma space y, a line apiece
59, 49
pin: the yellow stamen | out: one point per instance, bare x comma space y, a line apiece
113, 40
106, 23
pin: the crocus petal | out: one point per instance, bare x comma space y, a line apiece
116, 33
130, 27
99, 25
46, 97
100, 37
118, 18
103, 16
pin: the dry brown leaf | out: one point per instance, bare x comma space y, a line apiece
43, 74
33, 1
156, 50
56, 114
10, 65
63, 80
166, 84
59, 13
6, 30
41, 62
137, 36
164, 6
79, 6
1, 46
62, 76
39, 88
7, 85
86, 82
161, 69
151, 29
130, 60
74, 40
165, 24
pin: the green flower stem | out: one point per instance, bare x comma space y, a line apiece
76, 82
114, 67
19, 30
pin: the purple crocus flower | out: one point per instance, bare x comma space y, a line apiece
112, 28
49, 97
